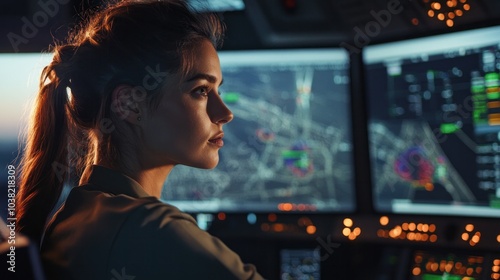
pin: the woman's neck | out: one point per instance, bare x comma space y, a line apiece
150, 179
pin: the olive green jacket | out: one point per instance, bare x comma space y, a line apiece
111, 229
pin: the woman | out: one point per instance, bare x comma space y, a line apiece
133, 93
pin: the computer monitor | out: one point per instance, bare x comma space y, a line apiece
289, 146
434, 123
297, 264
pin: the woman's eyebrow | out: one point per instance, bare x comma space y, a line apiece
204, 76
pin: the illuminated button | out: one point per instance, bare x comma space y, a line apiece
416, 271
221, 216
432, 228
465, 236
397, 230
434, 266
410, 236
418, 236
384, 220
251, 218
425, 228
348, 222
405, 226
433, 238
278, 227
442, 265
311, 229
352, 236
412, 226
469, 271
436, 6
469, 227
475, 239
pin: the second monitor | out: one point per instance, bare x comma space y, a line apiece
434, 123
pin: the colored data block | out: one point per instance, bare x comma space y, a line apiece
493, 104
494, 202
479, 97
292, 154
494, 121
231, 97
448, 128
477, 89
492, 90
492, 76
492, 80
493, 95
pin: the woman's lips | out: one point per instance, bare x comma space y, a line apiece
217, 141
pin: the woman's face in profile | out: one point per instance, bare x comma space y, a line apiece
186, 128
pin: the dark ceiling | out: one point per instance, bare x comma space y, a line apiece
27, 25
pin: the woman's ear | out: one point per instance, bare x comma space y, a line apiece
124, 105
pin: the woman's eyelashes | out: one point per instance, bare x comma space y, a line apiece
204, 91
201, 91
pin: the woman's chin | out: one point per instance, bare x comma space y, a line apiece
205, 164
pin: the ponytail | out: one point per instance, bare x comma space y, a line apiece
41, 179
117, 45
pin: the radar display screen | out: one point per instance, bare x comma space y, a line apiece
434, 123
288, 147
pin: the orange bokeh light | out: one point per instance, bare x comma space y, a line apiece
311, 229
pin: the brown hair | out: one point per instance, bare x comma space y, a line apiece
120, 44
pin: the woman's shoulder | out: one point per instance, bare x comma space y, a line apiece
141, 207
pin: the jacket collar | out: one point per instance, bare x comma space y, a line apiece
112, 181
